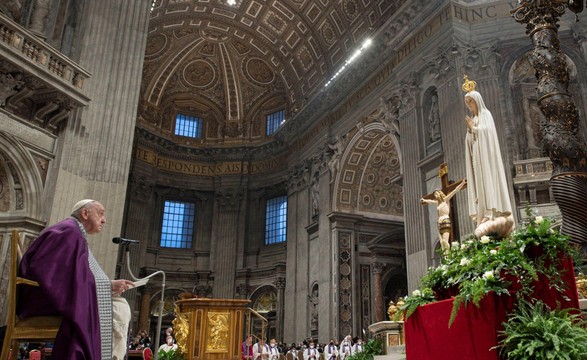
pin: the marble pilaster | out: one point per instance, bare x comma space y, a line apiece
224, 237
94, 153
378, 291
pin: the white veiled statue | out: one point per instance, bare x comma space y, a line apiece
487, 190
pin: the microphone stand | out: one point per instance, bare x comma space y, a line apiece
160, 318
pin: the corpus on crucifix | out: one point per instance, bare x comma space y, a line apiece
441, 198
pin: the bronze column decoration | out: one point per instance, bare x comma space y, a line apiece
378, 291
559, 131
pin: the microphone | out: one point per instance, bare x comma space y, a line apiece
123, 241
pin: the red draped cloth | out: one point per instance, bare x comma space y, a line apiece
475, 330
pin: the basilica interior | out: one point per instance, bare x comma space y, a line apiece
274, 151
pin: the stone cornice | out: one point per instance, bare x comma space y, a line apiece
167, 147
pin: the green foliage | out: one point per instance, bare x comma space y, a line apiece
533, 331
476, 267
411, 303
372, 347
169, 355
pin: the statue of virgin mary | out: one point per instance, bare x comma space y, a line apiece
488, 195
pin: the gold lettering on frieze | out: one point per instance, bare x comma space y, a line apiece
217, 329
207, 169
493, 10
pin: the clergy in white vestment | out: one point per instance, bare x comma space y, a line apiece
345, 347
294, 352
261, 350
358, 347
330, 351
311, 353
273, 350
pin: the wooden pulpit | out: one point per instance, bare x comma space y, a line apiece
214, 328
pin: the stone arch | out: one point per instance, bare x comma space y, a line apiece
369, 167
396, 285
264, 301
27, 200
170, 296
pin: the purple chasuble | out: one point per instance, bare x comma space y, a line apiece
58, 261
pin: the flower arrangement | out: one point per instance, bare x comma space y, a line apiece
476, 267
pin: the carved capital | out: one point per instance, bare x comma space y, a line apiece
408, 92
299, 177
378, 267
320, 160
242, 290
388, 113
203, 290
279, 283
229, 199
141, 187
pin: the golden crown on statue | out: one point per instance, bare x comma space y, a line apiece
468, 85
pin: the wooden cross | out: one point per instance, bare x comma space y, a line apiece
446, 187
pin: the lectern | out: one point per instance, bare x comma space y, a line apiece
214, 328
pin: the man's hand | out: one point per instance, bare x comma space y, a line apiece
121, 285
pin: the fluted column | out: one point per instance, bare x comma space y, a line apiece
95, 148
137, 226
279, 325
226, 230
378, 291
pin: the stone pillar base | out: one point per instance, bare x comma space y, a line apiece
392, 334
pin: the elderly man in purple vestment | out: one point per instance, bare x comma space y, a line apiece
73, 285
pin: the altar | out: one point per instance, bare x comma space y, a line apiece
475, 331
210, 329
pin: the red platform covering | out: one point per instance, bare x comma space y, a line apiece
475, 329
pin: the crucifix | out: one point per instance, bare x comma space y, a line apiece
442, 199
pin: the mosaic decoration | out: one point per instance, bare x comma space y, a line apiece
345, 295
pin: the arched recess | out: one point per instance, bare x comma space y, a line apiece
370, 168
314, 315
21, 203
396, 285
170, 296
264, 301
27, 200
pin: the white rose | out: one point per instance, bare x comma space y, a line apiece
455, 244
489, 275
538, 219
485, 239
464, 246
416, 293
493, 252
465, 261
